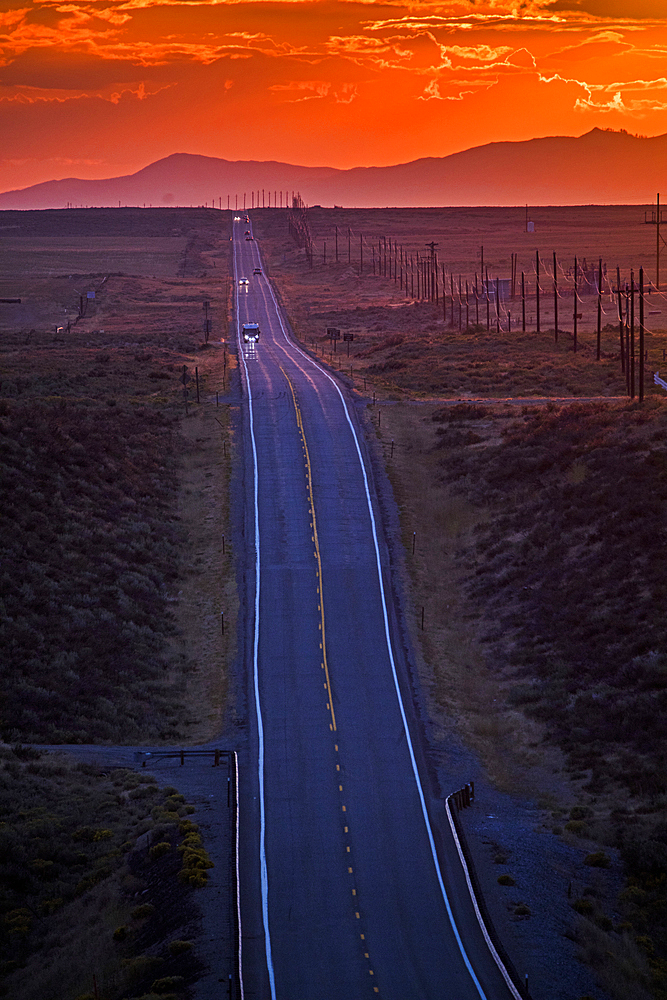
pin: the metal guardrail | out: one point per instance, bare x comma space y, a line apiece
463, 798
150, 755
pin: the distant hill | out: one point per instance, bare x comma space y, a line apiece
600, 167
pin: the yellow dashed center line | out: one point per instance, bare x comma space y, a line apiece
321, 624
315, 539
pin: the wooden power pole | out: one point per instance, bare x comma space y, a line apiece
656, 220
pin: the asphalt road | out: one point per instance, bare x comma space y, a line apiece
350, 884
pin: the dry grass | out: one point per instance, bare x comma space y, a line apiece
74, 861
53, 255
151, 273
94, 432
207, 584
464, 688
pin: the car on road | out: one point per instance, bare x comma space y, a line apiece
249, 237
250, 333
243, 281
257, 270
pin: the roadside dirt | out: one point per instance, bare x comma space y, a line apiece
206, 607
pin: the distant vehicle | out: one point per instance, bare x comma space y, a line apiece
257, 270
247, 232
250, 333
243, 281
248, 238
237, 218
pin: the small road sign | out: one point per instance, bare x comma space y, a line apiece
333, 333
185, 377
348, 336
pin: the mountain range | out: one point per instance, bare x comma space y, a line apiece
600, 167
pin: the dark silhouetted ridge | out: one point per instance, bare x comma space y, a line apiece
599, 167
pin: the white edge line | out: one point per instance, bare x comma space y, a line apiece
239, 958
258, 708
413, 761
480, 919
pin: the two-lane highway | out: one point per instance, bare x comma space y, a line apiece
347, 888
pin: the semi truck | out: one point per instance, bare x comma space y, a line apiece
250, 333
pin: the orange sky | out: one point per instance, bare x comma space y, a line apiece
95, 89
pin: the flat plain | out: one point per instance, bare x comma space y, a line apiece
409, 346
539, 547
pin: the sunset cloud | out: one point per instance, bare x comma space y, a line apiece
340, 82
33, 95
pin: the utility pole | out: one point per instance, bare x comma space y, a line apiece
656, 220
576, 303
620, 317
523, 301
431, 246
641, 334
632, 334
555, 301
600, 306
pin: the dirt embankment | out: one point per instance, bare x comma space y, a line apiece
206, 606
